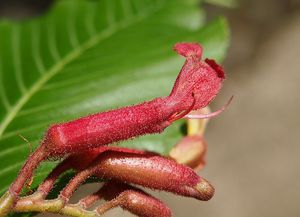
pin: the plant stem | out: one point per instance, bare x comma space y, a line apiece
89, 200
8, 200
108, 205
26, 172
29, 204
67, 192
6, 203
48, 183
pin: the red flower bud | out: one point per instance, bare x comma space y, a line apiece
154, 172
132, 199
80, 161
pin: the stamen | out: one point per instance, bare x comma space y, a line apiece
182, 114
210, 115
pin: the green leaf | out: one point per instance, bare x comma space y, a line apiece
84, 57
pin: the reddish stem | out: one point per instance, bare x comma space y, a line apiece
89, 200
48, 183
27, 170
68, 191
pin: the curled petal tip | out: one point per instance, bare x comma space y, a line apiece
188, 49
212, 63
205, 189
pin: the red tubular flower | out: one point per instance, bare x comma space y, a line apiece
197, 84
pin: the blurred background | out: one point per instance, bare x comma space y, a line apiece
254, 146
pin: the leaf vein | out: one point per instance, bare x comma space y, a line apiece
10, 150
2, 90
17, 58
35, 39
52, 43
71, 27
10, 168
90, 21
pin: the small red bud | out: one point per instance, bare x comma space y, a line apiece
134, 200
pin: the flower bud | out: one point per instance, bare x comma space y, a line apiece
133, 199
190, 151
154, 172
80, 161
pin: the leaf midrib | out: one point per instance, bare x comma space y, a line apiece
55, 69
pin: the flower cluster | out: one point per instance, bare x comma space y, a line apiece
82, 144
